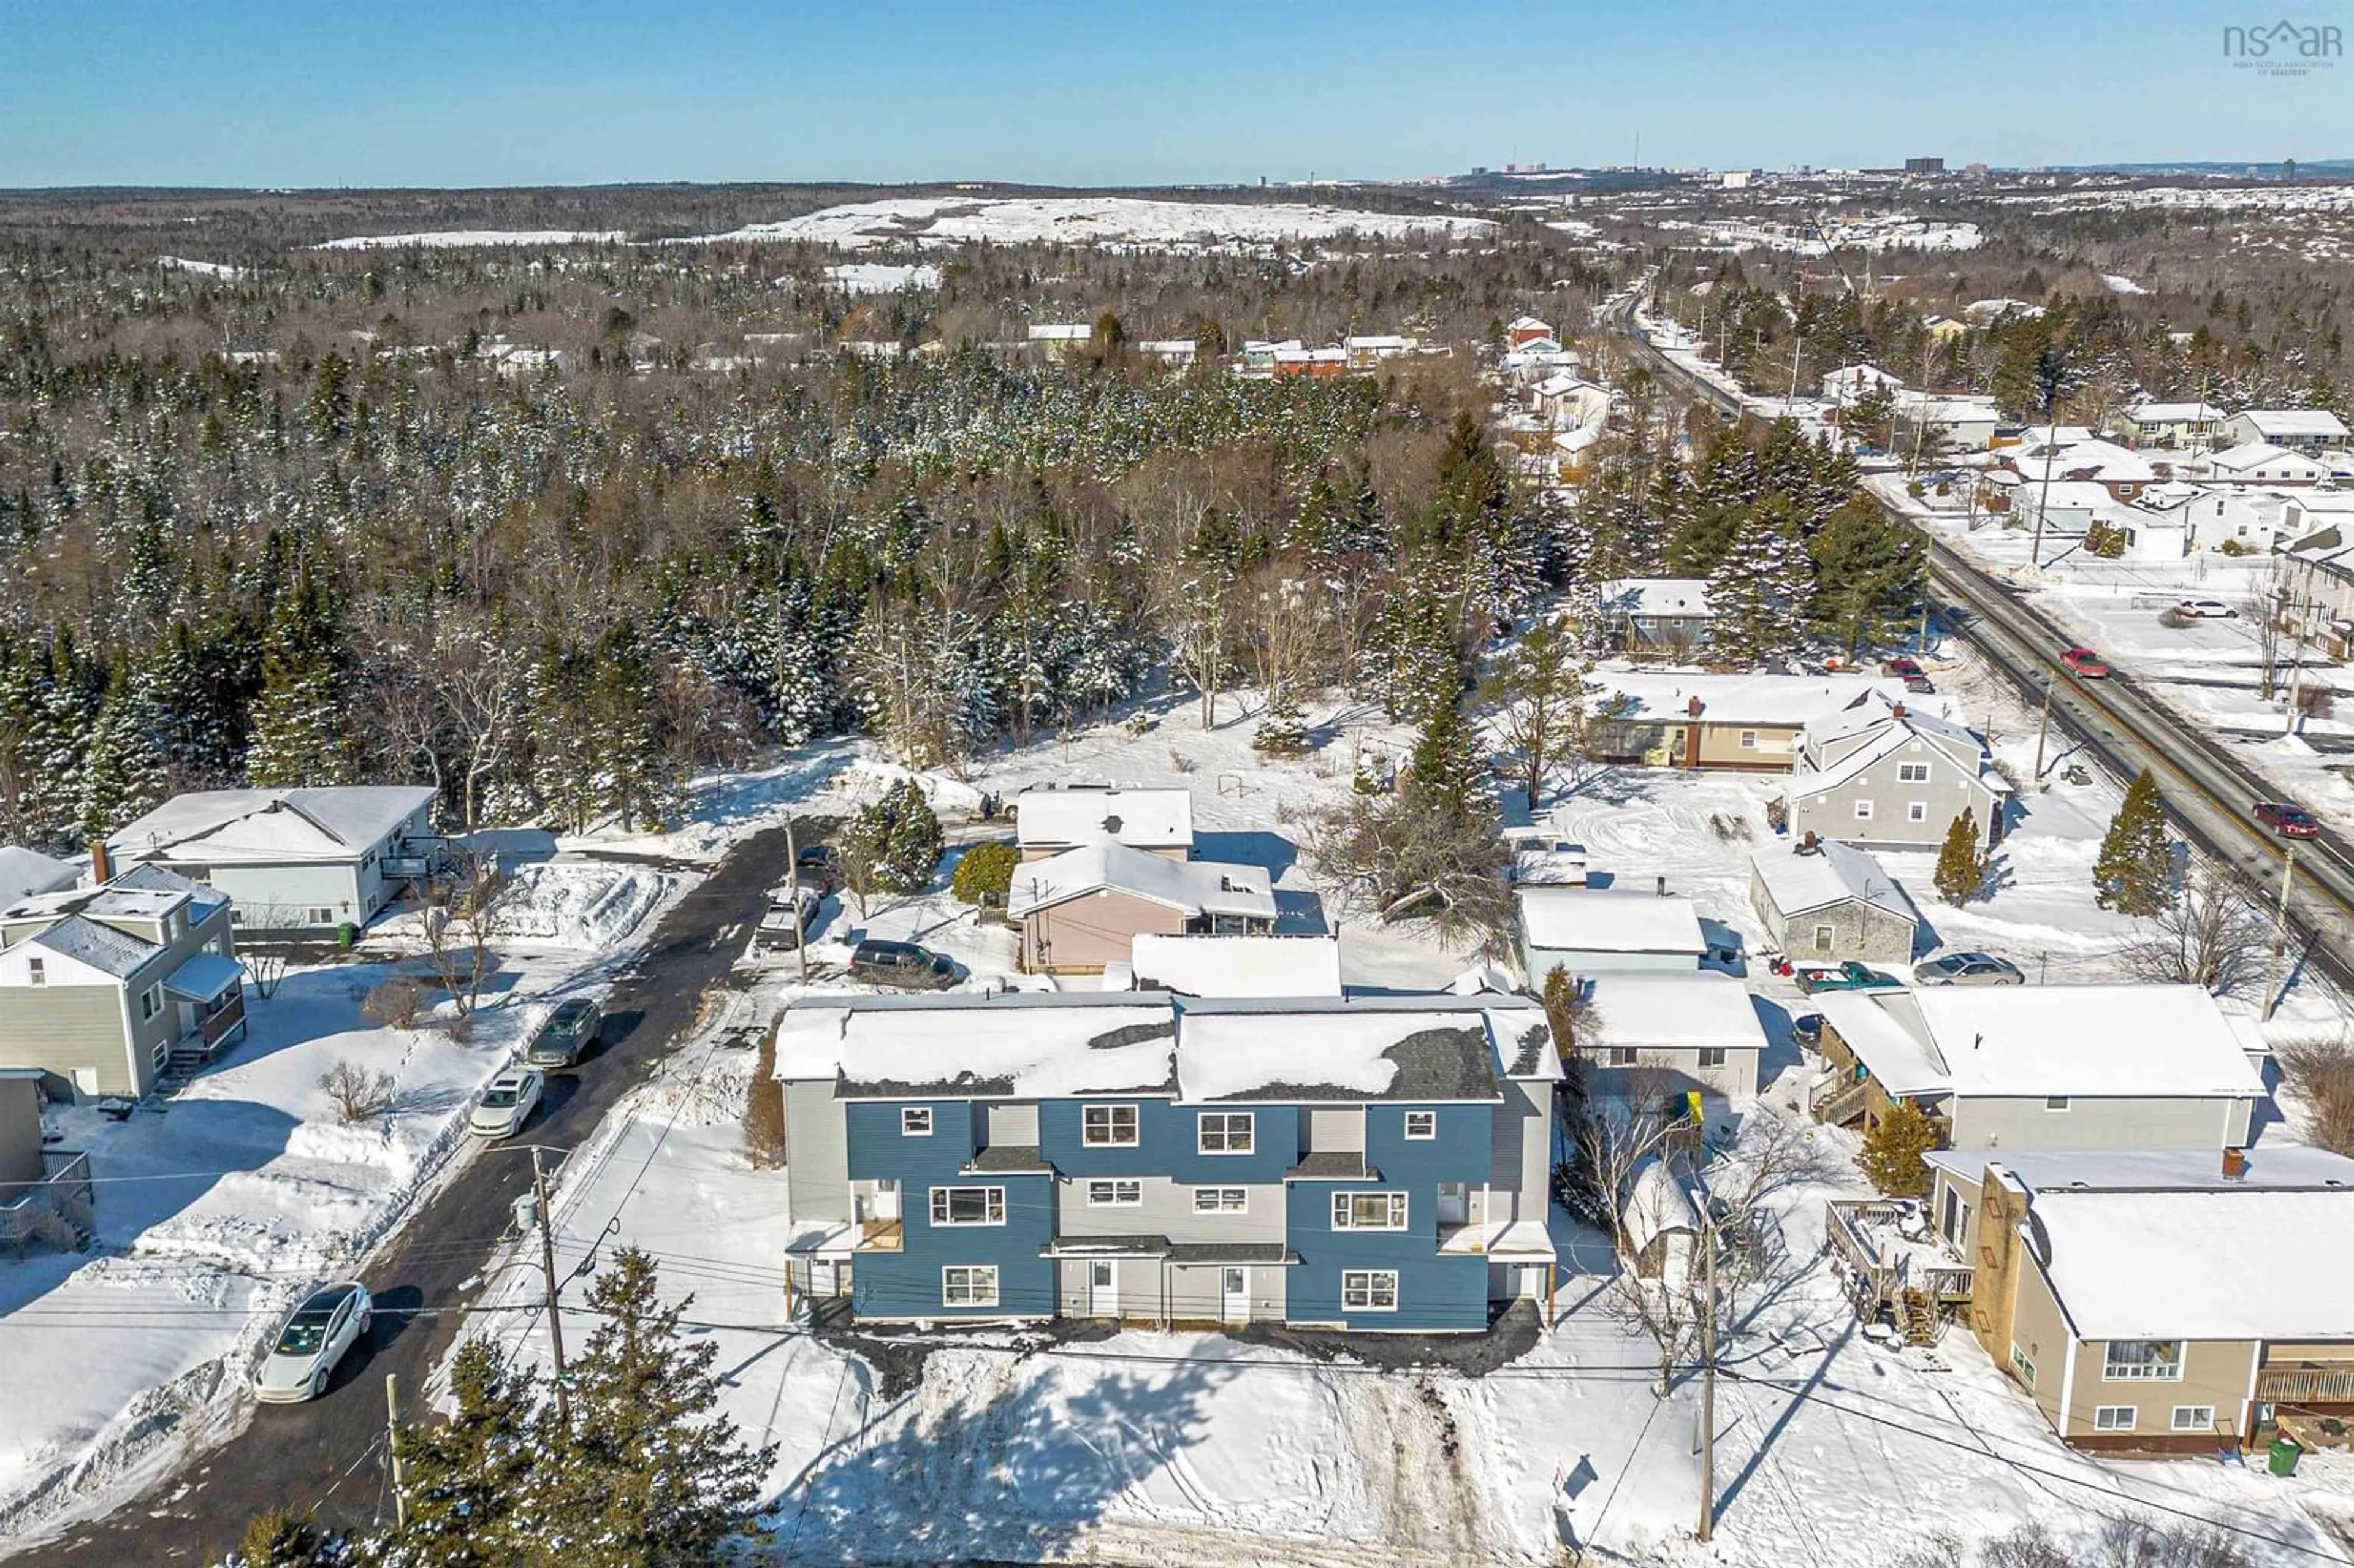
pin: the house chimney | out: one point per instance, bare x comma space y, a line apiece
2235, 1164
1692, 708
1663, 888
1808, 844
1896, 711
102, 865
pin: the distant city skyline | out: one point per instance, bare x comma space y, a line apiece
272, 93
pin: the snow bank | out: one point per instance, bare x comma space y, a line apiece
873, 775
580, 904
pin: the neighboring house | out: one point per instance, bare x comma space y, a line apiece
1049, 821
2169, 425
45, 1193
2303, 430
1523, 330
306, 860
1176, 352
104, 987
1658, 1035
2318, 600
1369, 349
25, 872
1592, 930
2120, 473
2210, 518
2068, 507
1746, 724
2043, 1066
1668, 615
1949, 424
1268, 965
1375, 1164
1084, 908
1887, 774
1060, 338
1854, 383
2263, 462
1823, 902
2172, 1301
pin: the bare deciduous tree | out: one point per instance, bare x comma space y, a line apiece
2213, 936
265, 966
460, 922
2320, 1076
354, 1092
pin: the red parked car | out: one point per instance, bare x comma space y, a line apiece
2288, 820
2085, 663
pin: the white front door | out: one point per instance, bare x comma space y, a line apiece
1103, 1289
1234, 1295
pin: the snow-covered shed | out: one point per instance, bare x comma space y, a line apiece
1659, 1226
1826, 901
1590, 930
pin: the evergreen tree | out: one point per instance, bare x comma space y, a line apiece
1282, 728
634, 778
1757, 592
2134, 872
123, 775
662, 1477
1961, 865
1413, 662
1868, 571
895, 841
301, 725
1891, 1157
56, 744
476, 1482
1446, 775
1538, 688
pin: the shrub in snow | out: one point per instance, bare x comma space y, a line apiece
1891, 1157
1961, 868
357, 1092
984, 874
394, 1004
2134, 872
893, 844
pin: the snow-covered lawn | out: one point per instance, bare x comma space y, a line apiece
467, 238
1091, 221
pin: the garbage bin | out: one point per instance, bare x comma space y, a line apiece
347, 935
2282, 1457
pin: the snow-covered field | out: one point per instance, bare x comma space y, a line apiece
464, 239
1092, 220
883, 277
205, 268
1151, 1447
1887, 231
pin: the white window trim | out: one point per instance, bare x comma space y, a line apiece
2206, 1422
1429, 1121
1623, 1055
974, 1273
1912, 773
1217, 1203
2114, 1370
1826, 938
2057, 1102
1712, 1056
1113, 1185
1344, 1210
1916, 811
1366, 1289
914, 1121
1863, 811
2021, 1367
941, 1207
1748, 739
1229, 1123
1108, 1140
2103, 1417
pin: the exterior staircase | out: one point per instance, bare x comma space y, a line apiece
1917, 1319
1842, 1103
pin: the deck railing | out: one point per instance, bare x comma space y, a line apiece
1847, 1224
2305, 1385
59, 1208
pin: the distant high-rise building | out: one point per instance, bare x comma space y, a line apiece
1977, 172
2288, 171
1479, 169
1924, 166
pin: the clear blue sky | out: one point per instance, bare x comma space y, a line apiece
426, 92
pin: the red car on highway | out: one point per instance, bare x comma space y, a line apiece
2288, 820
2085, 663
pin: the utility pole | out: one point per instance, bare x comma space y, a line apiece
801, 934
2280, 934
2043, 729
547, 1270
1707, 1373
2043, 498
392, 1449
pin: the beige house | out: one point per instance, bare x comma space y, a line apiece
1825, 903
45, 1193
105, 987
1743, 724
1050, 822
1668, 1033
2170, 425
1084, 908
1888, 775
2042, 1067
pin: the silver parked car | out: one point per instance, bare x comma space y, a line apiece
1967, 969
315, 1336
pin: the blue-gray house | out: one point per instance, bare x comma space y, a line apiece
1372, 1164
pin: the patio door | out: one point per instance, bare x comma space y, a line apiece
1956, 1217
1454, 1202
1103, 1289
1234, 1295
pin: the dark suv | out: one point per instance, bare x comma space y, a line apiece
902, 965
569, 1033
818, 867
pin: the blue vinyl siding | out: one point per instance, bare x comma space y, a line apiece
1435, 1293
1167, 1143
907, 1284
1459, 1152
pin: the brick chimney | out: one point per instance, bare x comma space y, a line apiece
1693, 710
1896, 711
2235, 1164
102, 865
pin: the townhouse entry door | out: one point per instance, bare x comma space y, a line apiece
1234, 1295
1103, 1289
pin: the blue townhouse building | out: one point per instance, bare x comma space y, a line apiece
1367, 1163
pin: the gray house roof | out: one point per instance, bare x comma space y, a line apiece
25, 872
354, 817
101, 947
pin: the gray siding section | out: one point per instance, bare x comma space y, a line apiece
1153, 1288
1849, 929
1673, 1070
1535, 1123
1008, 1126
1167, 1210
816, 1158
1538, 962
1339, 1131
1953, 786
283, 897
2101, 1123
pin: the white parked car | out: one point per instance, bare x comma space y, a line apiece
2205, 609
507, 1104
315, 1336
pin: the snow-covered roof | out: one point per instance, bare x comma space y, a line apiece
1790, 701
2249, 456
2285, 1165
2130, 1040
2294, 423
1376, 341
1203, 887
1656, 1204
1898, 727
25, 872
2063, 495
1800, 879
2173, 413
1037, 1046
1702, 1008
219, 826
1060, 331
204, 977
1528, 323
2251, 1264
2104, 461
1610, 920
1652, 596
1090, 814
1343, 1054
102, 947
1237, 966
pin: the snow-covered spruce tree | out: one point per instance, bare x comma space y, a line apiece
2134, 872
301, 731
634, 778
1413, 661
55, 744
1538, 689
1891, 1157
122, 776
478, 1483
893, 843
1961, 867
1756, 593
1282, 728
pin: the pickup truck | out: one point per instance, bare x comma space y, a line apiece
1849, 976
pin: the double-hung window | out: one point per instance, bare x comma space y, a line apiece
968, 1206
1369, 1290
2115, 1417
2142, 1361
1622, 1055
1912, 773
1421, 1124
1221, 1199
1227, 1132
1712, 1056
1115, 1194
2194, 1419
969, 1285
1369, 1211
915, 1121
1108, 1127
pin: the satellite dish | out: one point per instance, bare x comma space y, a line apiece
2039, 1239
